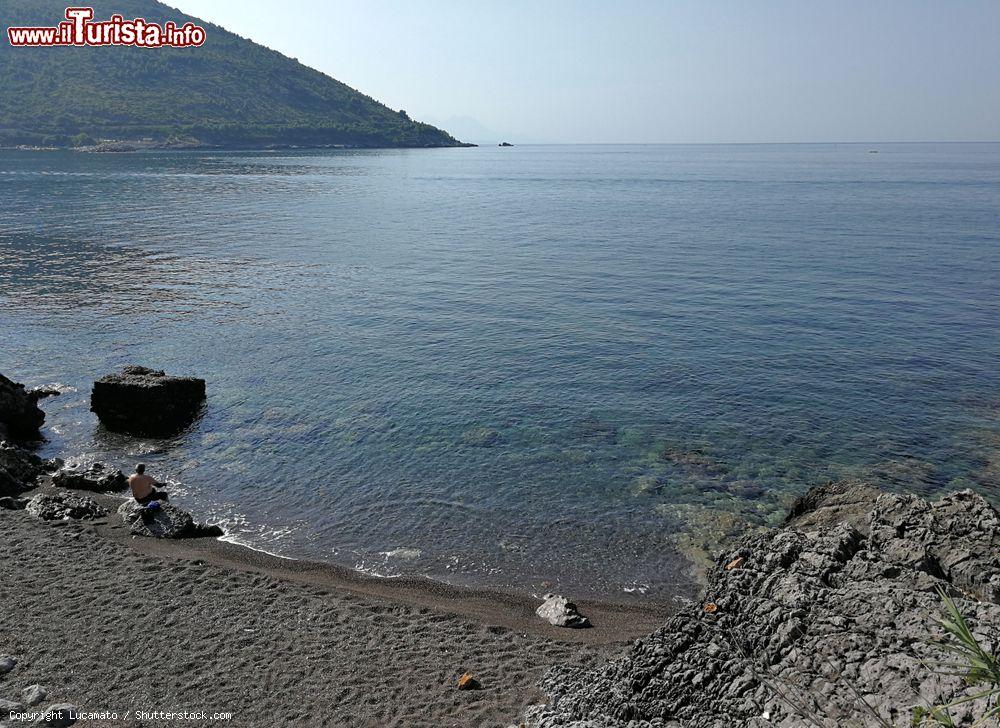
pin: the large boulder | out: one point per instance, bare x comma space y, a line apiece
805, 626
63, 506
97, 478
20, 416
164, 521
146, 402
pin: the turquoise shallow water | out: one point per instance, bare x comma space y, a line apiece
519, 367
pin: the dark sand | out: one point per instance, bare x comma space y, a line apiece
107, 621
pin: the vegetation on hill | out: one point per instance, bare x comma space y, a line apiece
229, 92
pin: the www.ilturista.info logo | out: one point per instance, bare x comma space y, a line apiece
79, 30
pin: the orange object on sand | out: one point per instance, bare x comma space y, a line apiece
468, 682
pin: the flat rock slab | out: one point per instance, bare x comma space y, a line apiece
62, 506
98, 478
167, 521
561, 612
147, 402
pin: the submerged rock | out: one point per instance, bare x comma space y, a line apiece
20, 417
38, 393
561, 612
822, 617
98, 478
147, 402
7, 663
481, 437
60, 506
166, 521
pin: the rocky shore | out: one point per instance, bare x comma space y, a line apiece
830, 620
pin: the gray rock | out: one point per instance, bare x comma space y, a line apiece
561, 612
34, 694
62, 506
147, 402
167, 521
820, 616
9, 706
20, 416
846, 501
98, 478
12, 504
19, 469
7, 663
59, 715
38, 393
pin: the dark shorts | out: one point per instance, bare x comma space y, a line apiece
156, 495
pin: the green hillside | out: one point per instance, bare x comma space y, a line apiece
229, 92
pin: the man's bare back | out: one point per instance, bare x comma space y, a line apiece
144, 487
141, 484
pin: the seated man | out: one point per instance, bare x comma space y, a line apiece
144, 487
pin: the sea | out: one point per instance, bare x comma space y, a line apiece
540, 368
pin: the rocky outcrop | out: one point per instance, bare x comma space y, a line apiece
164, 521
63, 506
98, 478
823, 622
20, 417
146, 402
845, 501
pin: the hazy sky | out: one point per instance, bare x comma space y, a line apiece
653, 70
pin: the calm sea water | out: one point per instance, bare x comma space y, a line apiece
518, 367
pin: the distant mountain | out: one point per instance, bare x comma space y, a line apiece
229, 92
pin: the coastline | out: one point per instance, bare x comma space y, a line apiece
614, 623
128, 146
